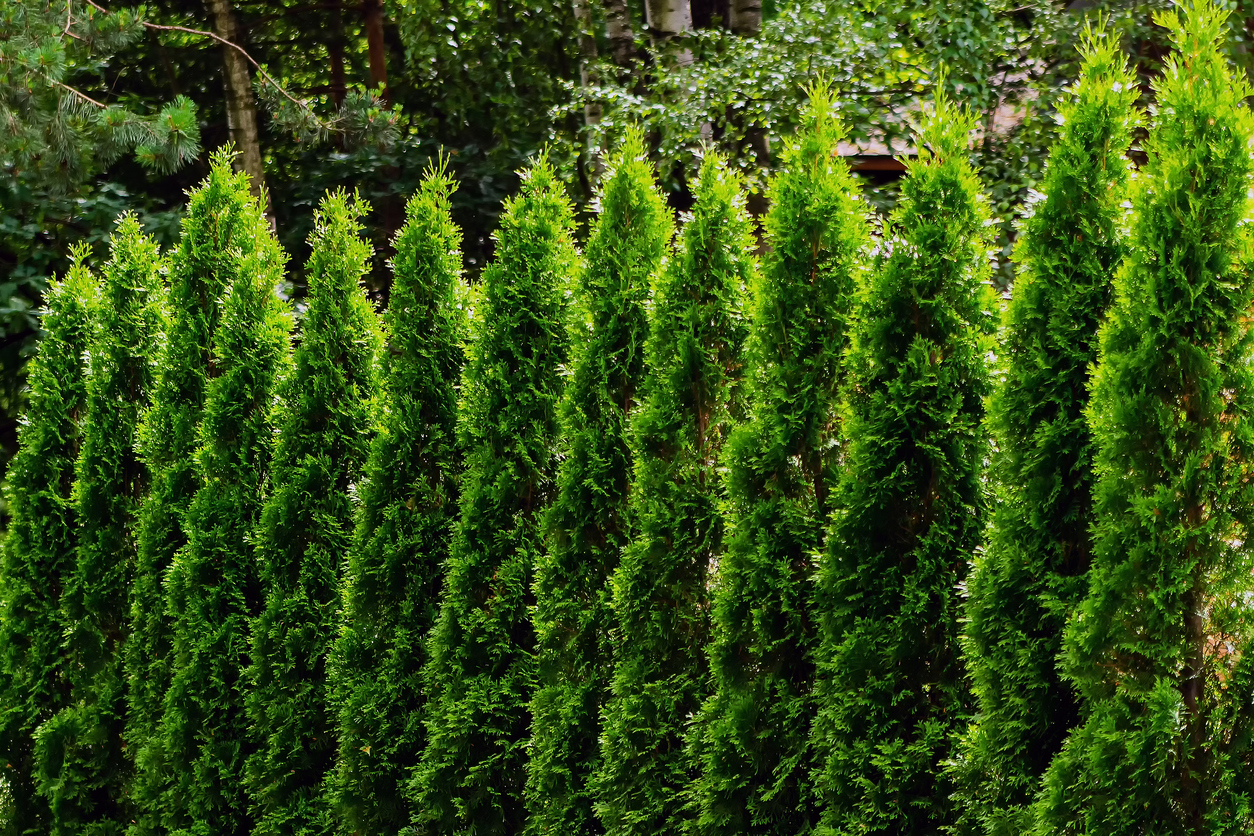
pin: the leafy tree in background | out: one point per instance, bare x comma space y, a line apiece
39, 547
1032, 573
408, 494
83, 762
307, 526
1154, 646
909, 504
660, 589
752, 735
481, 669
587, 522
214, 584
220, 233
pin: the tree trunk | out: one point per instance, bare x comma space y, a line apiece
241, 107
372, 12
619, 33
667, 20
587, 58
335, 51
744, 17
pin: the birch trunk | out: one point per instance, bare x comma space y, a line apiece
241, 106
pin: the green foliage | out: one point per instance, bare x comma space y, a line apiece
408, 493
481, 668
752, 735
307, 526
38, 553
660, 591
587, 523
1153, 647
909, 504
82, 758
213, 585
223, 228
1032, 574
60, 132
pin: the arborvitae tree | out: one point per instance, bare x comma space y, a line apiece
220, 232
660, 590
82, 756
214, 585
481, 671
1153, 646
38, 552
909, 504
1032, 574
307, 527
752, 735
408, 494
587, 523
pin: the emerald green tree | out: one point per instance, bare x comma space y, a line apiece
408, 494
909, 506
693, 359
752, 735
306, 527
223, 227
38, 554
587, 523
213, 585
481, 669
1155, 644
83, 759
1032, 573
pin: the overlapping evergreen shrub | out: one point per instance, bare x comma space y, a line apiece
305, 533
694, 365
1033, 572
408, 496
909, 506
480, 672
587, 524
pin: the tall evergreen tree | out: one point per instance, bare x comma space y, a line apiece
1032, 573
408, 493
219, 234
693, 359
909, 505
307, 526
1153, 646
752, 735
481, 668
82, 753
587, 523
213, 585
38, 553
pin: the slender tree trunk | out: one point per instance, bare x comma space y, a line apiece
241, 107
744, 17
619, 33
587, 58
335, 52
372, 13
667, 20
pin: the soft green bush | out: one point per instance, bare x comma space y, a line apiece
86, 765
220, 232
694, 365
909, 506
306, 528
1033, 572
408, 497
39, 546
213, 586
587, 523
1153, 647
481, 669
752, 735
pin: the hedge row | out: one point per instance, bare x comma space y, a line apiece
718, 536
